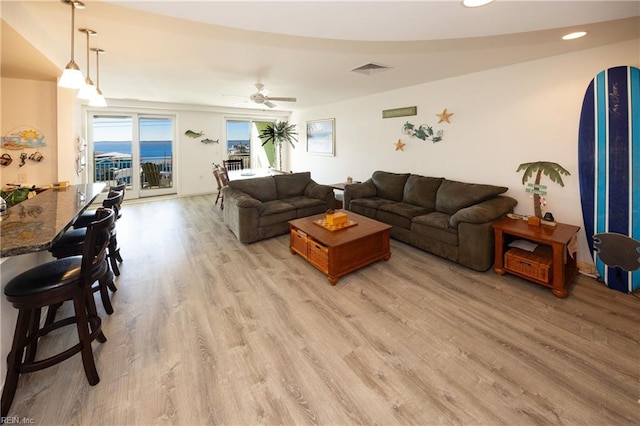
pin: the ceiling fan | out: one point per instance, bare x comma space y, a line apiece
261, 97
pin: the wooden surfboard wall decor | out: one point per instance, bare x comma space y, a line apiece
609, 174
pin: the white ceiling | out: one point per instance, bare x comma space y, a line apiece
212, 52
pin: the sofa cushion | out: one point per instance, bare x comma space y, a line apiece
389, 185
302, 202
262, 188
292, 184
435, 225
370, 202
453, 195
276, 211
421, 191
367, 206
399, 214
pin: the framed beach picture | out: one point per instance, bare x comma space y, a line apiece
321, 137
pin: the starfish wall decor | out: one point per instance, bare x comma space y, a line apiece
444, 116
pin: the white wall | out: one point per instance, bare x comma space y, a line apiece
502, 118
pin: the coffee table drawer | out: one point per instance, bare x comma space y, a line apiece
318, 255
299, 242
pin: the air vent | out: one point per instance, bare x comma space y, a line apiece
370, 68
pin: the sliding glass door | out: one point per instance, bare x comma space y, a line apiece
133, 148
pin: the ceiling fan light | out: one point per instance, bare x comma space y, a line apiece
71, 77
475, 3
88, 91
98, 100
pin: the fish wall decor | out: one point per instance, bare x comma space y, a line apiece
210, 140
192, 134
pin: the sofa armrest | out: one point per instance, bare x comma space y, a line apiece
483, 212
241, 199
320, 192
241, 214
316, 190
358, 190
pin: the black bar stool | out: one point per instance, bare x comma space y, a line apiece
51, 284
70, 243
87, 216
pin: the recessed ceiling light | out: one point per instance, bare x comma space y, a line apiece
573, 36
475, 3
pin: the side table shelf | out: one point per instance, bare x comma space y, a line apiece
550, 265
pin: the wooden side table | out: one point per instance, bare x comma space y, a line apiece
557, 237
339, 187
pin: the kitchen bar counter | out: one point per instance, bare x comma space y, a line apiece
34, 224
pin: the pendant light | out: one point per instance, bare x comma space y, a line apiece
88, 91
98, 99
71, 76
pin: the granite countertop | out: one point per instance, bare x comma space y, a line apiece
34, 224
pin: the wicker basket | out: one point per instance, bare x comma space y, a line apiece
535, 264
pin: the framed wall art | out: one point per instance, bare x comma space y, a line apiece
321, 137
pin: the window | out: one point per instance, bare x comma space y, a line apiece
239, 141
243, 142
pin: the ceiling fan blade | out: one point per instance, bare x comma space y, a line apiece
271, 98
270, 104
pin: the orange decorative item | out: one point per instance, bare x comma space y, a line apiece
336, 219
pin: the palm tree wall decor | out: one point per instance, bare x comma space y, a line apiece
279, 133
553, 170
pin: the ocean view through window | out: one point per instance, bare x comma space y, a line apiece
239, 141
118, 151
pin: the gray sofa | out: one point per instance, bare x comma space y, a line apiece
260, 208
447, 218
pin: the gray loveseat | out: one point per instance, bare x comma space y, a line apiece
447, 218
260, 208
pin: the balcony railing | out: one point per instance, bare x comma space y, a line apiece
118, 168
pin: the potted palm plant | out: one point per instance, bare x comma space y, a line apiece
279, 133
553, 170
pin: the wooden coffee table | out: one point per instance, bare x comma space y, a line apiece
336, 253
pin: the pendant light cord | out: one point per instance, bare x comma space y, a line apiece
73, 27
88, 61
97, 69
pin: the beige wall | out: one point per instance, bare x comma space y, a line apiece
33, 104
502, 118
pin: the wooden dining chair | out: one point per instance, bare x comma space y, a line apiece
222, 179
216, 174
233, 164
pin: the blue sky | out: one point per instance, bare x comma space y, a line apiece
238, 130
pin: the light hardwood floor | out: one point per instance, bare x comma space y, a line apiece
209, 331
